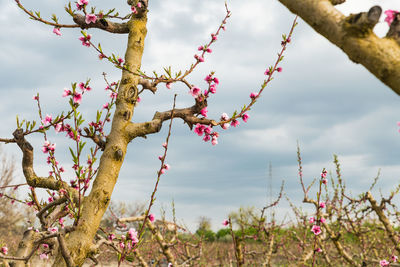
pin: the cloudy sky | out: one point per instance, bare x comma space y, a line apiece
321, 99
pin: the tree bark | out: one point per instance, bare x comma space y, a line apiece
80, 242
381, 56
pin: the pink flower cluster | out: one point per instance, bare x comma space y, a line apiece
384, 263
133, 8
48, 147
85, 40
323, 177
212, 84
4, 250
201, 129
390, 15
77, 96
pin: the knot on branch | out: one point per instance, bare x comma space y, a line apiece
363, 23
131, 95
118, 154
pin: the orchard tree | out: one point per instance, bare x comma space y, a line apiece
354, 35
70, 218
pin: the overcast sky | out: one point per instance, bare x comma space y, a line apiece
321, 99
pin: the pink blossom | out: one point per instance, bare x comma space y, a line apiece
43, 256
139, 5
47, 119
224, 117
120, 61
279, 69
322, 220
384, 263
216, 80
53, 230
167, 167
267, 72
57, 31
199, 129
45, 246
199, 58
195, 91
323, 174
85, 40
113, 95
245, 117
214, 140
82, 86
61, 169
4, 250
225, 222
90, 18
214, 36
319, 250
235, 123
322, 205
67, 92
168, 85
111, 237
208, 130
106, 106
164, 145
311, 220
134, 11
390, 14
200, 48
48, 147
253, 95
213, 88
209, 50
83, 2
132, 233
151, 217
35, 97
77, 97
208, 78
324, 181
204, 111
206, 138
394, 258
225, 126
316, 229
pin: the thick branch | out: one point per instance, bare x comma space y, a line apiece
381, 56
27, 166
134, 130
102, 24
384, 220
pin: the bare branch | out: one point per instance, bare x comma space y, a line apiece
134, 130
27, 166
102, 24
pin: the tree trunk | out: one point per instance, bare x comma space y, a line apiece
80, 241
